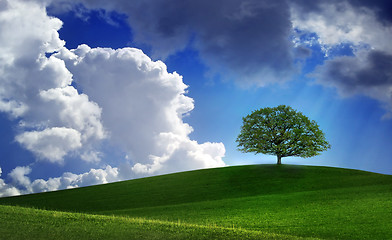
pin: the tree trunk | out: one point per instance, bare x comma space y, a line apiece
279, 160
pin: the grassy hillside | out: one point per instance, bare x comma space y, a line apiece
298, 201
27, 223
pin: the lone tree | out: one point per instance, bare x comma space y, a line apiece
281, 131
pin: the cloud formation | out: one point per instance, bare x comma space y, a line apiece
7, 189
250, 41
52, 143
128, 101
343, 22
364, 26
36, 90
19, 178
142, 108
367, 73
244, 41
69, 180
21, 183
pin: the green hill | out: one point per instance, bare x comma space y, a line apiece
258, 201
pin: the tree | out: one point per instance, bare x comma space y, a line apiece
281, 131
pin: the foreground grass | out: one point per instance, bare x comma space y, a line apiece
302, 201
28, 223
333, 214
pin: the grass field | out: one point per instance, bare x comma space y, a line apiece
242, 202
44, 224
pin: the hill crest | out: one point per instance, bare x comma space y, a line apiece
199, 185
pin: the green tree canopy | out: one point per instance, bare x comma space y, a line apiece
281, 131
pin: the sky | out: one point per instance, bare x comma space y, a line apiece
94, 92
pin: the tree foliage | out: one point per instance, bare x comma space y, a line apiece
281, 131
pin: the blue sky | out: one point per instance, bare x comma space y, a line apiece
99, 92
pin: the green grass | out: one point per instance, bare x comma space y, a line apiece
44, 224
258, 201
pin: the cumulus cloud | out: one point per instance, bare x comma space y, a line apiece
36, 90
21, 183
52, 143
70, 180
76, 111
19, 178
6, 189
142, 108
128, 100
245, 41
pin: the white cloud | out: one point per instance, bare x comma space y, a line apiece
37, 91
365, 71
6, 189
97, 176
129, 100
92, 156
76, 111
142, 108
51, 144
344, 23
21, 183
70, 180
206, 155
19, 178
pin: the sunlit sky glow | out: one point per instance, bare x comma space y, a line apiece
100, 91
